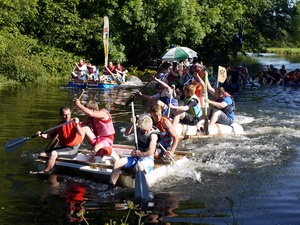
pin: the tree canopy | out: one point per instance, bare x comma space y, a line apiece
45, 37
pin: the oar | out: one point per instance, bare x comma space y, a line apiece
16, 143
173, 160
206, 104
162, 67
141, 189
114, 76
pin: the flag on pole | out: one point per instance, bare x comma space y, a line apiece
105, 39
222, 74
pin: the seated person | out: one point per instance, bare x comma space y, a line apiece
80, 70
191, 111
164, 96
92, 69
120, 71
224, 108
147, 141
169, 137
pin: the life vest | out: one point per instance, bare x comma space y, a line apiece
144, 138
166, 138
120, 69
102, 128
196, 111
68, 135
111, 70
229, 108
199, 94
91, 69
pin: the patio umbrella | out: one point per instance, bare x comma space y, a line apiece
179, 53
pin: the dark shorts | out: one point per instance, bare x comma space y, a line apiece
65, 152
189, 120
224, 119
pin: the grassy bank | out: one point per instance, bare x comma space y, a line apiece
284, 51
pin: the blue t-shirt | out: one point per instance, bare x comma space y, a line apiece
228, 101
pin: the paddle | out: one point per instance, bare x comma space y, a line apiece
162, 67
16, 143
164, 149
141, 189
206, 104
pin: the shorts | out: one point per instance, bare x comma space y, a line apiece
189, 120
147, 162
69, 152
106, 141
224, 119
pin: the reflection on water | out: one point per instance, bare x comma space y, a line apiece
251, 179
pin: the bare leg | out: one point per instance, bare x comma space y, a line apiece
215, 116
119, 164
177, 118
51, 161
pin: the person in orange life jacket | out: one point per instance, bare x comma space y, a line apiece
80, 70
223, 112
191, 111
198, 82
92, 71
98, 129
69, 140
110, 68
147, 140
168, 134
120, 71
165, 95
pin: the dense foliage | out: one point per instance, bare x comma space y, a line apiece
45, 37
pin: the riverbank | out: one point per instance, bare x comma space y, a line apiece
284, 51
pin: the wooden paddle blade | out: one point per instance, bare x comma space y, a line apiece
14, 144
141, 190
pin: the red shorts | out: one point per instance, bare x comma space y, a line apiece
106, 141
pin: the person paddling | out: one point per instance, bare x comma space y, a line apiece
69, 138
147, 141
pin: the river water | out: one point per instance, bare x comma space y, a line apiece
251, 179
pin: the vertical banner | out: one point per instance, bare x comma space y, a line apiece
222, 74
105, 39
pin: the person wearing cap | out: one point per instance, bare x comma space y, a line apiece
147, 137
98, 129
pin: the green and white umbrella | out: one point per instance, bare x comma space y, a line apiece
179, 53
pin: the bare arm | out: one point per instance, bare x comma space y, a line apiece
165, 85
95, 114
219, 105
184, 108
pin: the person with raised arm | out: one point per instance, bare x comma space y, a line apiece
98, 129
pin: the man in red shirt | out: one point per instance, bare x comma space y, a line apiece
69, 140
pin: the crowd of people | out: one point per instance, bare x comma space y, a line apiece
277, 76
88, 71
238, 76
179, 98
